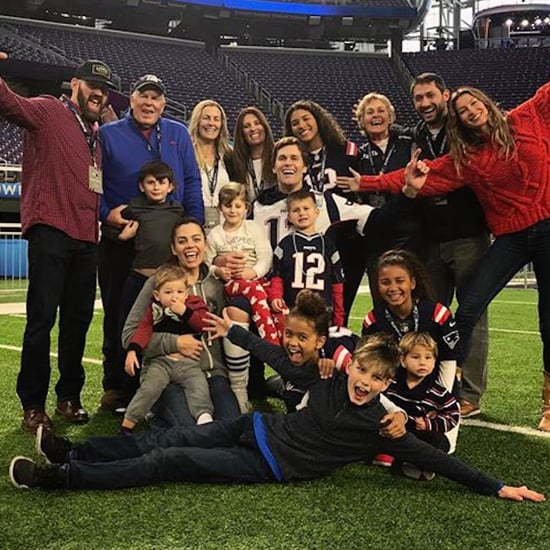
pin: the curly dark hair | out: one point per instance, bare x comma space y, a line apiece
311, 307
412, 265
330, 131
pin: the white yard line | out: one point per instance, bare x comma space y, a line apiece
52, 354
466, 422
504, 428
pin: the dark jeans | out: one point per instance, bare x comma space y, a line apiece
172, 410
506, 256
115, 261
61, 275
214, 452
452, 265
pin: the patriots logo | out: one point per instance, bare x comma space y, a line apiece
452, 339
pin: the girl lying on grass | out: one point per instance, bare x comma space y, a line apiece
341, 424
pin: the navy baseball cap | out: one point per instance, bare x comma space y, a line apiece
147, 82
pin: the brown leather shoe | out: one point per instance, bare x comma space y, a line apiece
32, 418
72, 411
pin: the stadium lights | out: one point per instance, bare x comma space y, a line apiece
524, 23
509, 22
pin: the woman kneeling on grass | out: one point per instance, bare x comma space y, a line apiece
341, 424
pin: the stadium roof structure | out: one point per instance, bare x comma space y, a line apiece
248, 21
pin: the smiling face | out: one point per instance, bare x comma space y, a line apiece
377, 119
189, 245
156, 190
171, 290
365, 382
234, 213
472, 112
430, 103
301, 342
395, 286
305, 128
210, 123
253, 130
289, 168
91, 98
302, 214
419, 362
147, 107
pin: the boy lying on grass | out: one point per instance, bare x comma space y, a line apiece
340, 425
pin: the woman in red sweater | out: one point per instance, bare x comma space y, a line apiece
505, 160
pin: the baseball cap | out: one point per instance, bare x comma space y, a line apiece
94, 70
149, 81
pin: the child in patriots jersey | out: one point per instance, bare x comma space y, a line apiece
306, 259
238, 234
403, 291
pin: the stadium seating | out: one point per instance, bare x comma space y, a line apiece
509, 76
334, 81
11, 143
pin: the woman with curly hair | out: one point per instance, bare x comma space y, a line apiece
504, 158
209, 134
330, 155
252, 151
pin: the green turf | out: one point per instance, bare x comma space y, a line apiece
357, 507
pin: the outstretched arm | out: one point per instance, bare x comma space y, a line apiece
520, 493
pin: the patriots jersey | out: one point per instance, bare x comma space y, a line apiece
433, 318
307, 261
270, 211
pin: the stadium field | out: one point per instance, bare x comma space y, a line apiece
357, 507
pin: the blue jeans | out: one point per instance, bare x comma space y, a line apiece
506, 256
451, 265
62, 274
172, 410
214, 452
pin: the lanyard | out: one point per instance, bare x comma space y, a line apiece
318, 179
441, 147
158, 137
387, 157
255, 185
89, 135
212, 176
403, 325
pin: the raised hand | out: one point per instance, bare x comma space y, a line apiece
416, 173
349, 184
218, 327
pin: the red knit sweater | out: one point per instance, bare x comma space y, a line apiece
515, 193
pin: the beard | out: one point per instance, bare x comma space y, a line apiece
86, 113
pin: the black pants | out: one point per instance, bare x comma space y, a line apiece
115, 261
62, 274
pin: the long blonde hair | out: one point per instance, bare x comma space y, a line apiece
222, 145
464, 140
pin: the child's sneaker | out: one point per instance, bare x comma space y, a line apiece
414, 472
54, 449
468, 409
25, 473
383, 460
